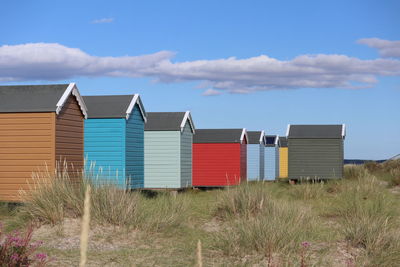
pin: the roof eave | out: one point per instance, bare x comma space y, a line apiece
72, 89
244, 134
136, 100
187, 117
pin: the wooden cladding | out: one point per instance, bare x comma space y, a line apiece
26, 146
69, 135
33, 142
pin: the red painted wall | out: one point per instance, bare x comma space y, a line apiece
218, 164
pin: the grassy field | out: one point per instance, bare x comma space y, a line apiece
351, 222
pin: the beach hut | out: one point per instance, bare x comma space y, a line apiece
39, 125
283, 157
219, 157
114, 140
168, 139
271, 158
255, 155
316, 151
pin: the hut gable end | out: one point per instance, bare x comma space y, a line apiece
69, 134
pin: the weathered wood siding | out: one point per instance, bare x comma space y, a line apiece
270, 163
162, 159
135, 149
69, 136
315, 158
283, 162
105, 150
186, 156
253, 162
27, 144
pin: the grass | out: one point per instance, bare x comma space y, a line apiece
350, 222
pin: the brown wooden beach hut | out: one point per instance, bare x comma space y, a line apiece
39, 125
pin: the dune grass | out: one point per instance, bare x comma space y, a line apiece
350, 222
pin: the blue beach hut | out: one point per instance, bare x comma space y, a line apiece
271, 158
114, 139
255, 155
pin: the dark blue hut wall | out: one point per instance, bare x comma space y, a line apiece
135, 149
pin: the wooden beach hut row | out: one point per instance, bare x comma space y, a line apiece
132, 148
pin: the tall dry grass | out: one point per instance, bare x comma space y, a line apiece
368, 215
246, 200
255, 222
56, 196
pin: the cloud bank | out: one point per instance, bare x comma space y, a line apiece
52, 61
386, 48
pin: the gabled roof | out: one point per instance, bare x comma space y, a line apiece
168, 121
317, 131
271, 140
38, 98
282, 141
113, 106
220, 136
256, 137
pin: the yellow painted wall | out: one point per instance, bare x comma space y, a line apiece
283, 162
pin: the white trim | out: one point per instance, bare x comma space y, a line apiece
244, 133
187, 118
71, 89
262, 136
343, 130
288, 130
276, 140
136, 99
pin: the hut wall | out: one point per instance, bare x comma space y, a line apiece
162, 159
186, 156
315, 158
135, 149
283, 162
217, 164
105, 149
243, 161
270, 163
253, 162
27, 144
69, 136
262, 162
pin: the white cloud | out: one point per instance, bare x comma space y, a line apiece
103, 20
386, 48
211, 92
51, 61
48, 61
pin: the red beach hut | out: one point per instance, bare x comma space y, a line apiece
219, 157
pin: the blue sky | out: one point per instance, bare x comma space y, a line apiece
253, 64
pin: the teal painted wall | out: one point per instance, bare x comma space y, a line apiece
135, 149
186, 156
162, 159
104, 146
